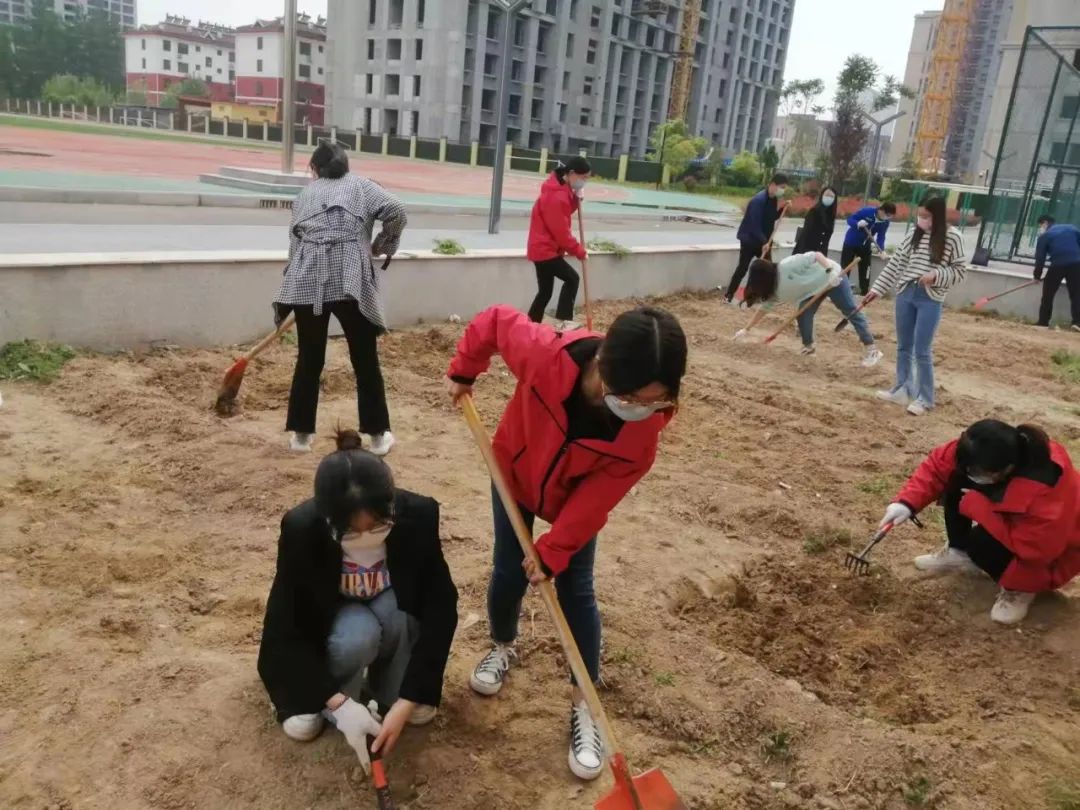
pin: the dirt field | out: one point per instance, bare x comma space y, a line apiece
137, 544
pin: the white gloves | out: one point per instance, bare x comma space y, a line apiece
896, 513
864, 224
741, 334
835, 278
356, 723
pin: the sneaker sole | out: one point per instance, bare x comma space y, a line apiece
485, 689
580, 771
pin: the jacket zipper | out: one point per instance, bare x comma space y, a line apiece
547, 476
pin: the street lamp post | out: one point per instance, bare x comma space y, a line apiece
510, 9
288, 94
878, 126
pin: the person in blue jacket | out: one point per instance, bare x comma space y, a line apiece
865, 224
1061, 244
755, 230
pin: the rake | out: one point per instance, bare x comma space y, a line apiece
859, 564
986, 299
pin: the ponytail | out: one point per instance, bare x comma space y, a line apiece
1034, 446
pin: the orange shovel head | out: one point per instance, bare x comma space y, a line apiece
654, 792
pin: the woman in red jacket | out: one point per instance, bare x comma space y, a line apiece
580, 430
1012, 509
551, 236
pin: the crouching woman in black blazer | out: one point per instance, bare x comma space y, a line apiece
362, 607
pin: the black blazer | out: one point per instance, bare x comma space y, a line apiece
306, 597
817, 230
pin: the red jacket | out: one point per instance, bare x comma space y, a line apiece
573, 485
1038, 523
551, 232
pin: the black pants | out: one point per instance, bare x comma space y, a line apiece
361, 335
847, 256
748, 251
1070, 274
546, 273
985, 551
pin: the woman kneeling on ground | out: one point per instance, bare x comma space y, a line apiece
362, 607
795, 280
1012, 509
579, 432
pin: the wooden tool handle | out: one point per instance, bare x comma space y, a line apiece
818, 296
546, 588
584, 267
259, 347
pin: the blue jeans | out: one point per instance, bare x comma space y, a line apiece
844, 300
574, 587
917, 319
369, 647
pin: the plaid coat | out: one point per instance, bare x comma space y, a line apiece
330, 245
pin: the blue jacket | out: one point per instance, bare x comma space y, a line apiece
757, 223
856, 237
1061, 244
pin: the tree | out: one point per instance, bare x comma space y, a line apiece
909, 166
798, 96
187, 87
847, 139
675, 146
745, 170
802, 149
68, 89
769, 160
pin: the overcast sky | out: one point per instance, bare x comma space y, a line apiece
823, 34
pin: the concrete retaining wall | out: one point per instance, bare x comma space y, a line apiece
110, 302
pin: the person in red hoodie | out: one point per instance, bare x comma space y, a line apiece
1012, 509
551, 236
579, 432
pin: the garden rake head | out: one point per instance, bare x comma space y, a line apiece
858, 563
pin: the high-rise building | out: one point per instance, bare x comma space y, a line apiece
159, 56
584, 75
123, 11
915, 79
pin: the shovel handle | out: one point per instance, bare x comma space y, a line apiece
982, 302
814, 300
259, 347
584, 266
546, 588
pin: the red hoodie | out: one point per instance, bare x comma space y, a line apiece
551, 231
571, 483
1038, 523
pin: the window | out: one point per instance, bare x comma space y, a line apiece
182, 48
487, 100
370, 84
320, 71
419, 50
258, 43
415, 122
371, 13
537, 109
1069, 106
595, 22
569, 46
219, 53
397, 13
393, 50
183, 67
586, 87
144, 44
566, 80
258, 65
541, 38
305, 49
320, 49
303, 71
491, 63
166, 45
492, 24
590, 57
416, 86
539, 75
258, 89
198, 49
144, 63
515, 105
209, 62
367, 119
219, 71
521, 31
393, 84
232, 56
371, 49
584, 120
420, 12
562, 113
232, 75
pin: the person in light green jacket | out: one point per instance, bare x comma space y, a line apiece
794, 281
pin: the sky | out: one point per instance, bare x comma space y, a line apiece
823, 33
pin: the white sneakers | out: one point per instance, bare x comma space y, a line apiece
808, 349
945, 559
586, 757
898, 397
1011, 607
303, 727
301, 443
568, 326
872, 357
918, 408
381, 443
487, 678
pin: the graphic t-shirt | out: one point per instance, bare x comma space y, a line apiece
364, 574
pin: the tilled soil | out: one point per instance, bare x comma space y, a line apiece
138, 534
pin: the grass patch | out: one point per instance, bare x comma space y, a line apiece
1068, 364
288, 337
917, 792
1064, 796
122, 131
31, 360
776, 747
625, 655
826, 538
665, 679
608, 246
448, 247
881, 485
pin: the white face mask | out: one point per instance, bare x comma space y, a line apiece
630, 412
924, 223
983, 480
1043, 229
828, 200
577, 185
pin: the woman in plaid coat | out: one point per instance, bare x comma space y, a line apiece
331, 272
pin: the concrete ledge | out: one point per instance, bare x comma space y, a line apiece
115, 301
31, 194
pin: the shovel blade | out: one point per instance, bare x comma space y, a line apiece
654, 792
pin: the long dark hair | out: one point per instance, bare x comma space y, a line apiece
643, 346
828, 212
762, 278
992, 446
350, 480
938, 228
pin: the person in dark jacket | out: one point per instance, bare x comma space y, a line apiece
581, 429
756, 229
362, 607
1061, 244
551, 237
817, 229
1012, 510
870, 222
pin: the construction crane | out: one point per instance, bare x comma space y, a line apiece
942, 84
683, 76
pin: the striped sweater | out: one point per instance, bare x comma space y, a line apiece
909, 264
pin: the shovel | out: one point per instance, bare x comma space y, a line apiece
378, 778
648, 791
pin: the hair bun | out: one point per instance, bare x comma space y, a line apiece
348, 440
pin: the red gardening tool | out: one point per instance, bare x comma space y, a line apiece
986, 299
378, 778
648, 791
234, 376
859, 563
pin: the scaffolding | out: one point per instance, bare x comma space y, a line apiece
1037, 169
684, 62
942, 81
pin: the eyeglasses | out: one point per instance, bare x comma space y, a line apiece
634, 401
